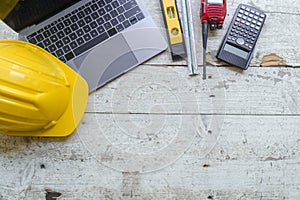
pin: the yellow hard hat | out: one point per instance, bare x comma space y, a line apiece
39, 94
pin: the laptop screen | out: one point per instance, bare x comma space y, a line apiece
19, 14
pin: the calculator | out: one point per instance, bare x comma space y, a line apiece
238, 44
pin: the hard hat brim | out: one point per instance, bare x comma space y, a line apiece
74, 112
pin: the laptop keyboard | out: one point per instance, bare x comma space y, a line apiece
87, 26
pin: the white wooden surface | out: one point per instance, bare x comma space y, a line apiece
156, 133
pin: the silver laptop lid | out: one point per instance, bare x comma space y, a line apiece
20, 14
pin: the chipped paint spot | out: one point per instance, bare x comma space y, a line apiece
52, 195
272, 60
264, 77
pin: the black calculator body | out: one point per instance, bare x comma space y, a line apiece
239, 42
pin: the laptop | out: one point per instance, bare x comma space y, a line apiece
99, 39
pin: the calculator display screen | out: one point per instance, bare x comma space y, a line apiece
236, 51
215, 1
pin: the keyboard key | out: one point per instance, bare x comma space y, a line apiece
94, 33
114, 22
32, 40
100, 21
87, 11
93, 25
74, 27
74, 18
60, 26
46, 33
115, 4
87, 37
79, 32
94, 7
107, 26
80, 14
91, 43
69, 56
72, 36
122, 1
132, 12
140, 16
81, 23
88, 19
120, 27
95, 15
53, 38
101, 3
130, 4
67, 31
39, 37
107, 17
66, 49
102, 12
59, 53
108, 8
126, 24
100, 29
112, 32
80, 41
121, 18
53, 30
67, 22
73, 45
46, 42
113, 13
66, 40
86, 28
120, 10
61, 34
59, 44
133, 20
52, 48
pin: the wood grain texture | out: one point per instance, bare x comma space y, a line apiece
157, 133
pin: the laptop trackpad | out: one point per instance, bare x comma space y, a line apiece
106, 62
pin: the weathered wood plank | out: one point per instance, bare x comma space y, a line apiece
150, 89
251, 157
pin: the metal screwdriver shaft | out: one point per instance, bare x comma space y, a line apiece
204, 38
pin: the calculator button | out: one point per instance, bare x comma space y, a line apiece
243, 21
249, 19
254, 21
262, 15
242, 12
243, 7
257, 27
252, 11
251, 15
261, 19
252, 26
258, 23
240, 41
255, 17
244, 17
246, 13
248, 9
247, 23
240, 15
257, 13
